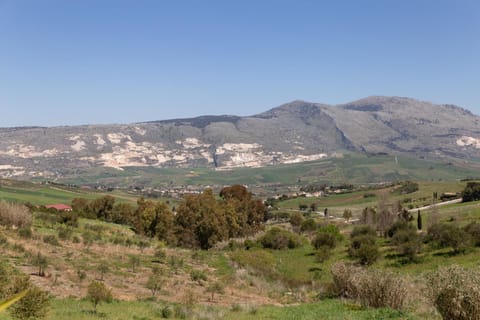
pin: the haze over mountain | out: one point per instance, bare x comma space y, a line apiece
294, 132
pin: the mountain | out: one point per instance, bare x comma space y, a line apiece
294, 132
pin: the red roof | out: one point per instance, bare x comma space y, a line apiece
59, 207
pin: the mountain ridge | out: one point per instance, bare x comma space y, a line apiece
293, 132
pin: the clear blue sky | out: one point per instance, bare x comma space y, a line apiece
100, 61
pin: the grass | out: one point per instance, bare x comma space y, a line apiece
73, 309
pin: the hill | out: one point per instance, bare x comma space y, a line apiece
295, 132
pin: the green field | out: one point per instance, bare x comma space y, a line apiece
351, 168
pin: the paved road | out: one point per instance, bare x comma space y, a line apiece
436, 205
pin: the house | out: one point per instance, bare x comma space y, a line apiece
59, 207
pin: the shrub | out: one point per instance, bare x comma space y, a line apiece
332, 229
473, 229
448, 235
324, 239
97, 292
363, 230
65, 233
296, 219
51, 239
308, 225
198, 276
372, 288
34, 305
15, 215
408, 243
365, 249
25, 233
323, 253
455, 292
397, 226
167, 312
471, 192
408, 187
278, 239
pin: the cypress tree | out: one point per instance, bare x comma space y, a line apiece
419, 221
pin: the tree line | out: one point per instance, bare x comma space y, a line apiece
200, 221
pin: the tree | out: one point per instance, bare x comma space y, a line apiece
155, 281
200, 221
103, 268
471, 192
419, 220
347, 214
102, 207
80, 205
122, 213
134, 261
296, 220
215, 287
98, 293
41, 262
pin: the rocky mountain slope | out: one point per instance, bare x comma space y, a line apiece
294, 132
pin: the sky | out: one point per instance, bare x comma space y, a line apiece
93, 62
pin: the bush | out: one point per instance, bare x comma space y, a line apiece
167, 312
15, 215
324, 239
455, 292
25, 233
408, 243
278, 239
332, 229
372, 288
365, 249
471, 192
198, 276
408, 187
322, 254
397, 226
448, 235
363, 230
97, 293
473, 229
51, 239
65, 233
308, 225
296, 219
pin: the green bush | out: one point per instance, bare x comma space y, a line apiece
365, 249
363, 230
324, 239
198, 276
65, 233
279, 239
473, 229
51, 239
471, 192
448, 235
167, 312
408, 187
25, 233
332, 229
408, 243
308, 225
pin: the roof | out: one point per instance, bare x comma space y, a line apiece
59, 206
